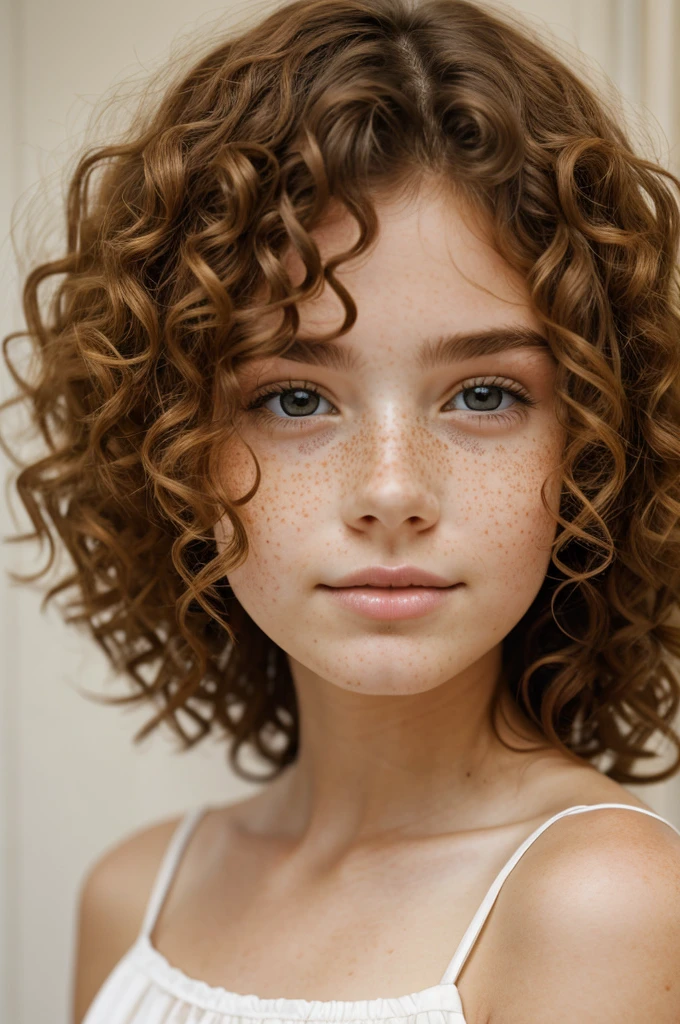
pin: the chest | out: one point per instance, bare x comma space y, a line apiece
250, 921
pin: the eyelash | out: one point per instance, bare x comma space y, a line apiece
259, 400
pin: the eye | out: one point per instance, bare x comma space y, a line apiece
292, 401
487, 398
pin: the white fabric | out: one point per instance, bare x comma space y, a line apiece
144, 988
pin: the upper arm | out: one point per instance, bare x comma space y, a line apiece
595, 936
111, 904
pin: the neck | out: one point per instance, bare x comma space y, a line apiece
373, 767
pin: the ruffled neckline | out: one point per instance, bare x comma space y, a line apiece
444, 996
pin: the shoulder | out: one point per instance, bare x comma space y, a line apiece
112, 898
590, 928
122, 875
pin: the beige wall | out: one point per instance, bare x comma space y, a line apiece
71, 782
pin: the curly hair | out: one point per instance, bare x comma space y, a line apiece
173, 267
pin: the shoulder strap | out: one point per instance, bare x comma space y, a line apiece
475, 927
171, 858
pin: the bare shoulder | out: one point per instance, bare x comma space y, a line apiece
111, 902
121, 877
589, 924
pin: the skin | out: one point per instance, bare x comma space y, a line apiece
389, 467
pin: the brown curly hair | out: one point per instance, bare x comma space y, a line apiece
173, 265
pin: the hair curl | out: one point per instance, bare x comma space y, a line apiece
173, 264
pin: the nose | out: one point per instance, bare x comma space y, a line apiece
390, 486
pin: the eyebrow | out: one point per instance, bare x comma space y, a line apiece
430, 354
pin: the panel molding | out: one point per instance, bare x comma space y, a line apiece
10, 668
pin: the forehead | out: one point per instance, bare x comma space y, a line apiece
431, 270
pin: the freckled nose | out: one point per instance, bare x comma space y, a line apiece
393, 486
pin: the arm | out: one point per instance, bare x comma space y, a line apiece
594, 933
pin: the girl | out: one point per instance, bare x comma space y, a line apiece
361, 389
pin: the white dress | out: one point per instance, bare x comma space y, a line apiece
144, 988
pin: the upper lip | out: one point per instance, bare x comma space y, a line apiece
391, 576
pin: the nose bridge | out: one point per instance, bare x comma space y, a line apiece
391, 444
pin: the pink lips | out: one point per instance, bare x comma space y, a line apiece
385, 592
391, 576
395, 603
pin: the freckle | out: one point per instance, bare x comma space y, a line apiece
468, 444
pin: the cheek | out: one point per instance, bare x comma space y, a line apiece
510, 530
276, 519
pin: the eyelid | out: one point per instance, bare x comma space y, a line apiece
280, 387
266, 391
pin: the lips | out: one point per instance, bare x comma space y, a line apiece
391, 576
391, 603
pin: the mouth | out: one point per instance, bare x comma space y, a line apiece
388, 589
409, 586
389, 602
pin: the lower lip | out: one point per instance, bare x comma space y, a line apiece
391, 602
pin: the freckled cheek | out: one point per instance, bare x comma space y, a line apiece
510, 530
519, 530
289, 499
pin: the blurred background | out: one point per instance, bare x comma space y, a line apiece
71, 781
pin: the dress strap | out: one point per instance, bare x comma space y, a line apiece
171, 858
475, 927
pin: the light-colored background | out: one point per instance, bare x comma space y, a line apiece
71, 782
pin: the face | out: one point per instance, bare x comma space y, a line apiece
398, 461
